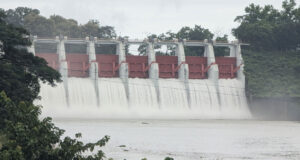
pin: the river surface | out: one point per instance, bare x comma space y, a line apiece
191, 139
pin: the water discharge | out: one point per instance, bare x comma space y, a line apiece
113, 98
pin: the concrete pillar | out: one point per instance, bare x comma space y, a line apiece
183, 72
153, 70
63, 67
123, 70
93, 69
232, 52
31, 49
213, 71
239, 62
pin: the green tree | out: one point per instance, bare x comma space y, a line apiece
271, 62
23, 134
93, 29
222, 51
143, 48
21, 71
39, 25
28, 137
56, 25
266, 28
17, 16
197, 33
272, 73
65, 27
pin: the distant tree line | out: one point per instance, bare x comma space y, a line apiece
196, 33
267, 28
57, 25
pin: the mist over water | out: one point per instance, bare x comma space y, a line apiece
112, 98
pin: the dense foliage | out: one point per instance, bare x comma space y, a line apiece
272, 74
56, 25
21, 71
23, 135
267, 28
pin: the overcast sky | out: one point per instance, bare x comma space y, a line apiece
139, 18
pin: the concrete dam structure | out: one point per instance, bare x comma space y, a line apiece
149, 86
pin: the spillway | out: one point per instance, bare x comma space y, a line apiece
113, 98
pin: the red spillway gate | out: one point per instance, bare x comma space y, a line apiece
137, 66
167, 66
107, 65
227, 67
78, 64
51, 58
197, 67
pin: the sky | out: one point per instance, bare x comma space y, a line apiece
139, 18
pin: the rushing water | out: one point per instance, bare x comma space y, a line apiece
145, 98
191, 139
95, 107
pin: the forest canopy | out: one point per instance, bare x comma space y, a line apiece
56, 25
267, 28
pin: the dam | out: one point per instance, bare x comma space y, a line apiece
150, 86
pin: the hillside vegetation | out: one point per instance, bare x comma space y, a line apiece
272, 74
272, 63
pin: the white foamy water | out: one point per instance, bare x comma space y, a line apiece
82, 93
204, 98
173, 94
232, 98
142, 94
53, 98
191, 139
112, 93
112, 98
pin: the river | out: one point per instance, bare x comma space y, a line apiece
191, 139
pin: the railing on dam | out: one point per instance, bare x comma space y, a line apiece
164, 66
